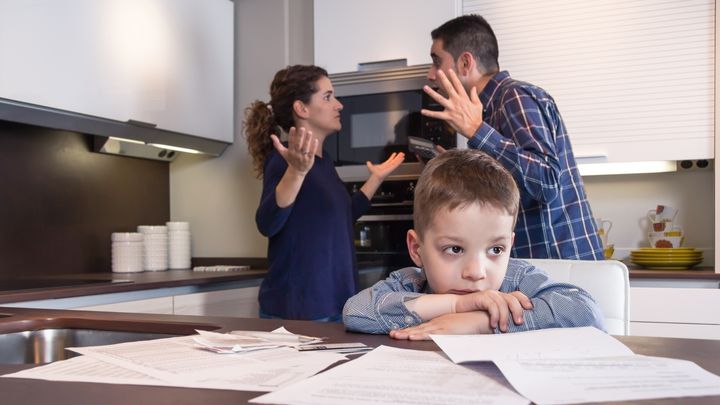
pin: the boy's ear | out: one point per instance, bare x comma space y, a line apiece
413, 245
300, 109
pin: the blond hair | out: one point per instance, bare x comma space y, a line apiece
459, 178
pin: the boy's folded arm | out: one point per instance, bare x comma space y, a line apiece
381, 308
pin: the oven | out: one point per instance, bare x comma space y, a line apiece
380, 234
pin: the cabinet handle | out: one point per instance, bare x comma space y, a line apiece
591, 159
382, 64
141, 123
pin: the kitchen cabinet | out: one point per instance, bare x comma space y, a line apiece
155, 63
348, 33
675, 312
160, 305
238, 302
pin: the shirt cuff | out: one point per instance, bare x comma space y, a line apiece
486, 138
395, 315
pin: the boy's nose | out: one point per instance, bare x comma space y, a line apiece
474, 270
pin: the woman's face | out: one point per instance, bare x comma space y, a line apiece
324, 109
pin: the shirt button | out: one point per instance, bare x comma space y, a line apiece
394, 326
409, 319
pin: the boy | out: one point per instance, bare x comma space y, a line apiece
465, 209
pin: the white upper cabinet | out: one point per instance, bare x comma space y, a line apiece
162, 62
349, 32
634, 80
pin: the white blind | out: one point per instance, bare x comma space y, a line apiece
621, 71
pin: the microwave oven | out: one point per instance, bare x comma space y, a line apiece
380, 110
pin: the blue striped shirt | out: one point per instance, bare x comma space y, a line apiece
381, 308
523, 130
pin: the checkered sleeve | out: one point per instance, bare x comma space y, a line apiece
524, 144
381, 308
555, 305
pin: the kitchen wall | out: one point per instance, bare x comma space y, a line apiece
219, 196
59, 201
626, 199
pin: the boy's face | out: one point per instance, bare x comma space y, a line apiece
464, 250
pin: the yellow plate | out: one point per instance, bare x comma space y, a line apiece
666, 250
667, 265
642, 256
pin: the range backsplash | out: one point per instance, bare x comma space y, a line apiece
59, 201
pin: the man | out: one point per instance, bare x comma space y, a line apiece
520, 126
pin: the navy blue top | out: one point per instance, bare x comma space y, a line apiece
311, 242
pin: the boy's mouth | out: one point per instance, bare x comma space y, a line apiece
461, 292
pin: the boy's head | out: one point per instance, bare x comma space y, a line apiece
465, 208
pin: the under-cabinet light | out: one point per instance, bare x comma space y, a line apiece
175, 148
597, 169
127, 140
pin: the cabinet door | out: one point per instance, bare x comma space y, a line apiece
161, 305
165, 62
351, 32
238, 302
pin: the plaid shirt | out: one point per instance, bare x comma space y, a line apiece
381, 308
523, 130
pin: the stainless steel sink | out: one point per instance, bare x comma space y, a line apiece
48, 345
44, 340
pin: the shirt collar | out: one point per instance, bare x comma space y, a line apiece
488, 93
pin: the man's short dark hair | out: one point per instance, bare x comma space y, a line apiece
473, 34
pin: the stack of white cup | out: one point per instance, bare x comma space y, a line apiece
127, 252
178, 245
155, 241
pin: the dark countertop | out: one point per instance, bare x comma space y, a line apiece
140, 281
26, 391
177, 278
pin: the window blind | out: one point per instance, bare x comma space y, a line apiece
635, 73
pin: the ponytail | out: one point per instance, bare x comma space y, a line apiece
259, 125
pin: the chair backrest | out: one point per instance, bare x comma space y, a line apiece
606, 280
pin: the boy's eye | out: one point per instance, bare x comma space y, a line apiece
497, 250
453, 250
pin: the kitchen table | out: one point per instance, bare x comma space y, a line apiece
26, 391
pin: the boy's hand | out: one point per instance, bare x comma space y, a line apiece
449, 324
499, 306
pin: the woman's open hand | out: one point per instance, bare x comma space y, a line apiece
382, 170
300, 153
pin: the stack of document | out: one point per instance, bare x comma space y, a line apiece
552, 366
180, 362
245, 341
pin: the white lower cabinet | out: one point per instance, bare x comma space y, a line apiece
234, 302
160, 305
675, 312
238, 302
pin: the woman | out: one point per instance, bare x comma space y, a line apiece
305, 209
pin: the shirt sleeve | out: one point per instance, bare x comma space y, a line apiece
269, 217
524, 143
360, 204
555, 305
381, 308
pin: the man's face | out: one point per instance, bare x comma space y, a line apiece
464, 250
441, 60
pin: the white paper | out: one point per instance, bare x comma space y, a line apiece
608, 379
394, 376
560, 343
178, 362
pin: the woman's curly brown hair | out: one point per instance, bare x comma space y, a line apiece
297, 82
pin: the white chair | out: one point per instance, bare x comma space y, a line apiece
606, 280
